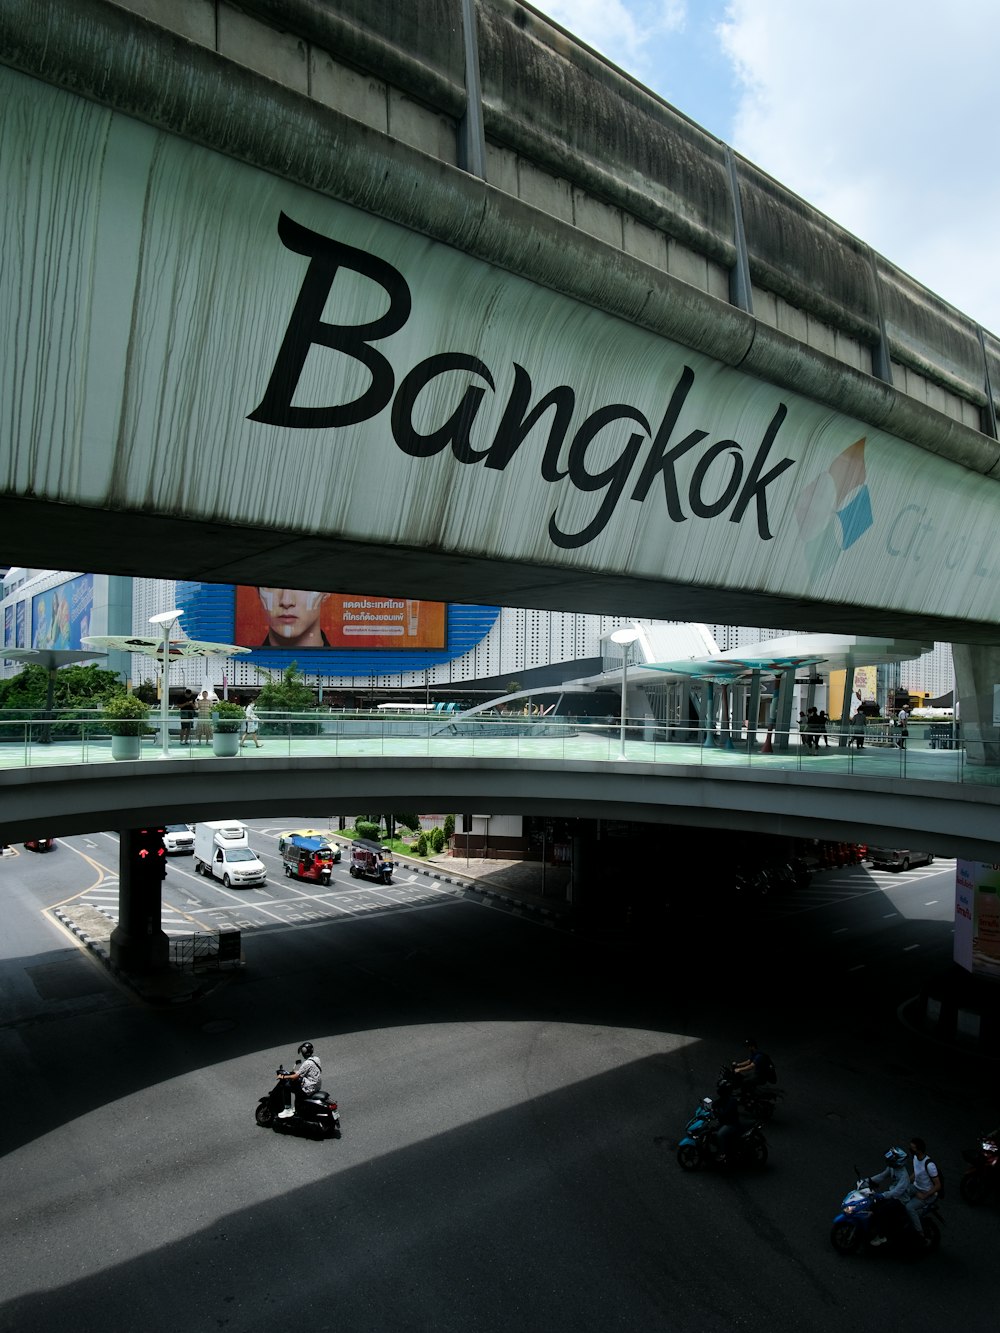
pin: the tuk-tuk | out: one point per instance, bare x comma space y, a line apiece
371, 861
308, 855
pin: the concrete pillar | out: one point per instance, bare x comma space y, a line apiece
783, 711
977, 674
845, 705
753, 710
138, 943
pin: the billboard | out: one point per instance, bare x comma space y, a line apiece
299, 620
19, 626
61, 617
977, 918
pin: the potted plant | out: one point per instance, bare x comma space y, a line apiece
227, 723
127, 717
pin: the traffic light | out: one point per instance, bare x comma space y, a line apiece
147, 855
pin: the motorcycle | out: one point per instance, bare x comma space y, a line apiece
861, 1226
317, 1111
982, 1176
758, 1100
700, 1144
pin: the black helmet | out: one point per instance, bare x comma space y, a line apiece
306, 1049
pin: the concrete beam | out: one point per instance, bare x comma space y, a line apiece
948, 818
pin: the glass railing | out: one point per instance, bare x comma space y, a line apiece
75, 738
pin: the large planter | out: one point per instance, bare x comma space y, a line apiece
225, 743
125, 747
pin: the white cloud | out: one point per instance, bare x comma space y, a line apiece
626, 31
883, 116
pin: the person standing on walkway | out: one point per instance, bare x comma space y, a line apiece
902, 722
250, 726
187, 717
203, 707
858, 724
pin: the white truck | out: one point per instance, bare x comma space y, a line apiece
222, 849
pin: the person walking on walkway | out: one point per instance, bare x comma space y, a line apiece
250, 726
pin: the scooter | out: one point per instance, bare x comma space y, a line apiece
861, 1227
982, 1176
758, 1101
700, 1144
316, 1111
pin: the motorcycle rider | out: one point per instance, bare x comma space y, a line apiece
756, 1068
726, 1110
887, 1213
307, 1078
926, 1183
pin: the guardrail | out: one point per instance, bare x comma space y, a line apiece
70, 740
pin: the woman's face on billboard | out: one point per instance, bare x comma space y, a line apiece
293, 616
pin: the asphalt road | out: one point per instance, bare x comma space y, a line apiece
511, 1098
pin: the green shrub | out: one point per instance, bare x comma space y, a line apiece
449, 827
420, 846
365, 828
227, 716
128, 715
437, 840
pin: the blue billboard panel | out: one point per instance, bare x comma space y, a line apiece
61, 617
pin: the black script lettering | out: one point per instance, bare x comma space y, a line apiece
514, 425
661, 462
307, 327
456, 429
756, 484
698, 506
613, 477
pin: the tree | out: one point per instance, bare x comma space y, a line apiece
75, 687
437, 840
449, 827
286, 692
411, 822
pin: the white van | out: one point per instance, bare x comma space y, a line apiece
222, 849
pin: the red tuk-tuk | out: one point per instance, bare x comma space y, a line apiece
308, 856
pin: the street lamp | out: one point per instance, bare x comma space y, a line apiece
168, 619
624, 637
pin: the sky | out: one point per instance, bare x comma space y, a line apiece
883, 114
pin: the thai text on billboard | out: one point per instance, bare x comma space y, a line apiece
299, 619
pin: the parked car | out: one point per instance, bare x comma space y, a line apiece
178, 840
40, 844
894, 858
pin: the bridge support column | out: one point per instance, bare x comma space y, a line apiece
977, 672
138, 943
783, 711
753, 709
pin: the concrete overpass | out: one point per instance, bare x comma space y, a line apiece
769, 796
429, 297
